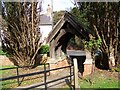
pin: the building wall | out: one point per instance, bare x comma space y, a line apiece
45, 30
5, 61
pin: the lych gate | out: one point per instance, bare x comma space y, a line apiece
63, 31
66, 28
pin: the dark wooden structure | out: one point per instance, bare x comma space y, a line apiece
66, 28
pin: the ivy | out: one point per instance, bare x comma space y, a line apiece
93, 44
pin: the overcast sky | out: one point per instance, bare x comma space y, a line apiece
58, 4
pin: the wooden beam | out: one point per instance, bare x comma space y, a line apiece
56, 29
52, 49
77, 87
61, 33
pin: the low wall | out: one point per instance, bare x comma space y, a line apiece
4, 61
58, 64
87, 69
62, 63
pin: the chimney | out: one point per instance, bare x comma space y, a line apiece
49, 11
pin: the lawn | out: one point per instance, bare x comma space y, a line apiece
25, 81
100, 79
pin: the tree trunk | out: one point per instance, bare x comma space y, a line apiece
21, 38
111, 58
105, 64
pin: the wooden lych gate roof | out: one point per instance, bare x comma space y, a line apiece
66, 28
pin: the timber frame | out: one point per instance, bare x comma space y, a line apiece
66, 28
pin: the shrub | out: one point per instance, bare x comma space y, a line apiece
44, 49
2, 52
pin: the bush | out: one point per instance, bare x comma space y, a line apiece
44, 49
2, 52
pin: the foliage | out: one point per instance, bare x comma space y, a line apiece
2, 52
57, 16
72, 40
76, 43
20, 35
44, 49
93, 44
103, 18
81, 17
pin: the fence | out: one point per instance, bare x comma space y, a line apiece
45, 71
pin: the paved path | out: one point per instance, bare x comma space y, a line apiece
58, 83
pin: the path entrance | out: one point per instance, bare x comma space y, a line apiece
66, 28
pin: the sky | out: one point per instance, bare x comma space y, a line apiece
58, 4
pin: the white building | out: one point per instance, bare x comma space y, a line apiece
45, 23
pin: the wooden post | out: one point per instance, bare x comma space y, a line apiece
77, 87
45, 77
18, 77
52, 49
49, 68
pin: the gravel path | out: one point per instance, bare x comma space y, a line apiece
53, 76
59, 83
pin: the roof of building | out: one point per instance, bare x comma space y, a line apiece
68, 21
45, 20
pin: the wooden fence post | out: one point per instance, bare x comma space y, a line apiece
49, 68
45, 76
77, 87
18, 77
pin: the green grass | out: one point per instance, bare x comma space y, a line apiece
103, 83
24, 81
116, 69
4, 71
6, 67
97, 80
100, 80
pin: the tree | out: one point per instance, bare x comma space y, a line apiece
21, 37
57, 16
103, 20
